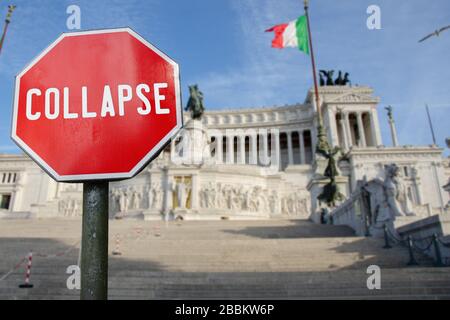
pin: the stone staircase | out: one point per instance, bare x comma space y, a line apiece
271, 259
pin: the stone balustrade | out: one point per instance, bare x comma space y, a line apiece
352, 213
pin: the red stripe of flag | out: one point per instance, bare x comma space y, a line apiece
277, 42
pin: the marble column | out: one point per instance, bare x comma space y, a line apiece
434, 165
16, 205
344, 132
348, 129
241, 154
333, 129
301, 139
219, 149
374, 141
275, 154
290, 150
253, 158
230, 149
362, 135
376, 128
393, 133
264, 148
417, 185
12, 201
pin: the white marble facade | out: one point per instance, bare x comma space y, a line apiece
244, 164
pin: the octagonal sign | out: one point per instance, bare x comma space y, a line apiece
97, 105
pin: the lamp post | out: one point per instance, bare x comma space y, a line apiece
11, 9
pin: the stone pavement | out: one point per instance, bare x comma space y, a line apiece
272, 259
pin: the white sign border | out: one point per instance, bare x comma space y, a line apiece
107, 176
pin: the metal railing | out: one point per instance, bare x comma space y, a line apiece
412, 244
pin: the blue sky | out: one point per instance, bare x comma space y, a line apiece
221, 45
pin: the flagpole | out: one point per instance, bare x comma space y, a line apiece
322, 143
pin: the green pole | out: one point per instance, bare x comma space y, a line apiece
94, 248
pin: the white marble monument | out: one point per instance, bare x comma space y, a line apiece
247, 164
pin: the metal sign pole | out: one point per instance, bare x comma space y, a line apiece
94, 248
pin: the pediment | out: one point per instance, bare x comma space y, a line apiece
352, 97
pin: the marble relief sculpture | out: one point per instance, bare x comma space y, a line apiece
70, 207
124, 200
155, 196
252, 199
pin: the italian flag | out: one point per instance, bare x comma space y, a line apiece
292, 34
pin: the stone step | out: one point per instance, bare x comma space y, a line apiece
206, 292
229, 259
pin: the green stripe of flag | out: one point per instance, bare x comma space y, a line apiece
302, 34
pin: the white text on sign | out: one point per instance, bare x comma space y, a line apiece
52, 105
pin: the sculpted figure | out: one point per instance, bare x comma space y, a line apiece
154, 195
330, 81
202, 195
212, 195
150, 196
346, 79
339, 80
380, 212
135, 199
229, 197
115, 201
221, 201
76, 207
273, 202
195, 103
328, 76
182, 193
120, 200
396, 192
157, 197
330, 193
322, 80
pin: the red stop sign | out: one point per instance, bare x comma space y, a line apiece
97, 105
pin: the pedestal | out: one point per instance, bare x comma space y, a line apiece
315, 187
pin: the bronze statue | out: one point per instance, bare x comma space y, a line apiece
329, 76
322, 81
330, 193
195, 103
346, 79
326, 78
339, 80
390, 113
